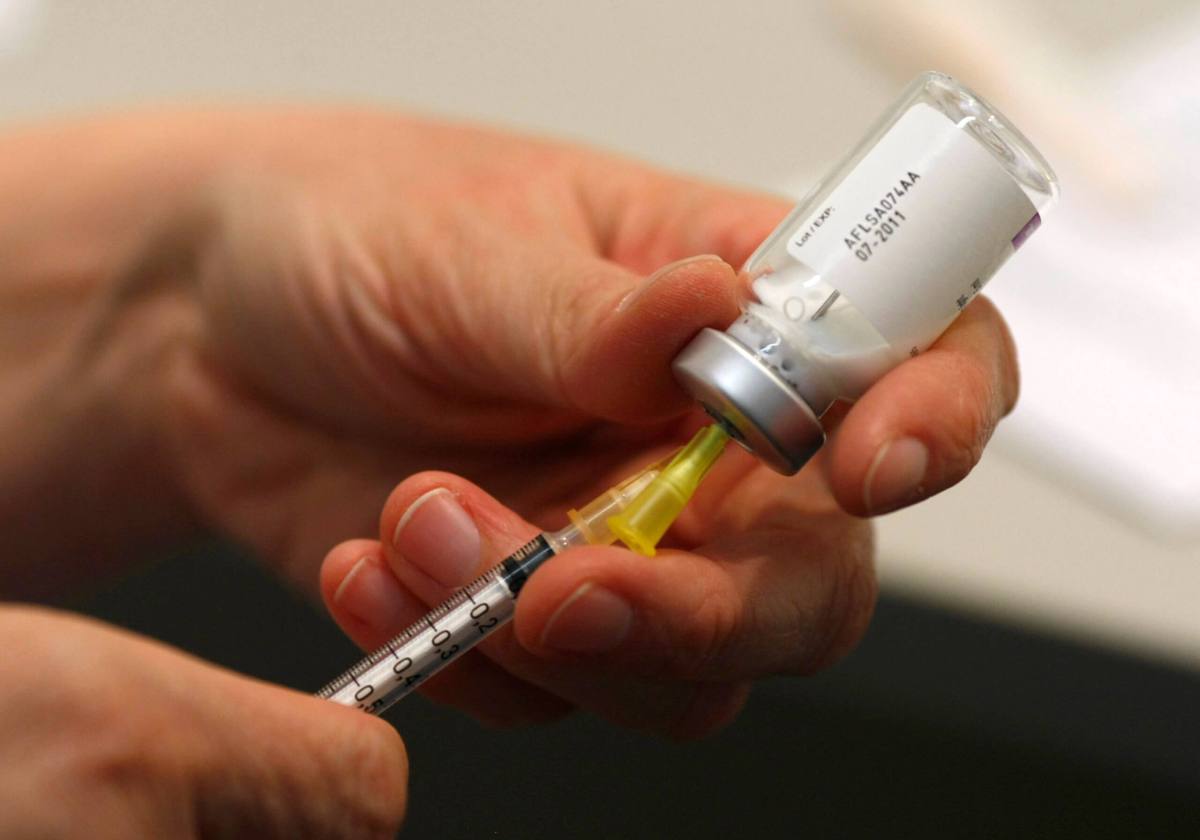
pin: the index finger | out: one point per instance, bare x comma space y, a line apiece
644, 218
924, 425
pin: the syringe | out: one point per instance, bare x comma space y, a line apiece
653, 498
472, 614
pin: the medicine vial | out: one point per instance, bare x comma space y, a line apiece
870, 268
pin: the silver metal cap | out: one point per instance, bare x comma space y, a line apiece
757, 408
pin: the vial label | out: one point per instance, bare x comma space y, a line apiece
915, 230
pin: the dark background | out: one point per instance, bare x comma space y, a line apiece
938, 725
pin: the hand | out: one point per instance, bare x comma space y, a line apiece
384, 297
444, 297
762, 575
379, 296
342, 300
107, 735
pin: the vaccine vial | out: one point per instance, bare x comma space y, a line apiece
870, 268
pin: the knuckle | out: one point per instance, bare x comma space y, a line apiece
111, 752
702, 646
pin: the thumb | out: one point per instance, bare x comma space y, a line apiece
615, 359
305, 768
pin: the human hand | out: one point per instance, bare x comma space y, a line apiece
762, 575
356, 298
379, 296
108, 735
442, 297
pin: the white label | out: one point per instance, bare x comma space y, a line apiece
916, 229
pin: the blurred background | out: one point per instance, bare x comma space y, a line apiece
1035, 665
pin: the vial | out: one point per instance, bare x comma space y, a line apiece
869, 268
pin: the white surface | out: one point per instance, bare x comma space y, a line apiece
761, 94
18, 25
1011, 544
1106, 305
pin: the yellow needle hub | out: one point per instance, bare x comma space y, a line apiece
641, 525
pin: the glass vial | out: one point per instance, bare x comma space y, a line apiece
870, 268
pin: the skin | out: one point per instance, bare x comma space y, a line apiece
290, 325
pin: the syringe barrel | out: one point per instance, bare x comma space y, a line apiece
440, 637
473, 613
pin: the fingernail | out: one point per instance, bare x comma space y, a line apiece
371, 594
591, 620
895, 476
650, 281
439, 538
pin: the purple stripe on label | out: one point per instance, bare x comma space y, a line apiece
1027, 231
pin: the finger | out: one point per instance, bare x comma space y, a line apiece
372, 606
674, 636
562, 327
363, 596
307, 768
923, 427
765, 602
644, 217
621, 369
442, 531
248, 759
600, 340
